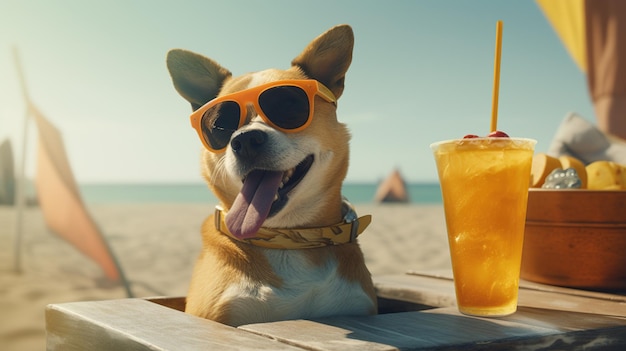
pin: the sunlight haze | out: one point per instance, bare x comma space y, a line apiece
422, 71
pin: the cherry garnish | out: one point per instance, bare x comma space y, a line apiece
498, 134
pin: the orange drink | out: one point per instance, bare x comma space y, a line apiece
484, 183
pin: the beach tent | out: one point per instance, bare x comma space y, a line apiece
392, 189
594, 33
60, 201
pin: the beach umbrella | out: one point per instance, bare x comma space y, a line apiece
594, 33
60, 200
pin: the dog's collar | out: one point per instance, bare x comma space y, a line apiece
304, 238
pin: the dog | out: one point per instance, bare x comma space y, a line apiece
282, 243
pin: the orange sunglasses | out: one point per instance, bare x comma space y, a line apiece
286, 105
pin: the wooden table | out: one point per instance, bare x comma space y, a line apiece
417, 313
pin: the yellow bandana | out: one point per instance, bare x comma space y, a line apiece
304, 238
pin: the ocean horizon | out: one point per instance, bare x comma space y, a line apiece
112, 193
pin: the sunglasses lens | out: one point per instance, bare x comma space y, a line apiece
219, 123
286, 106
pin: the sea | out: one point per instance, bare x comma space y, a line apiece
119, 193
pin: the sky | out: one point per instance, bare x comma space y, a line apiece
422, 71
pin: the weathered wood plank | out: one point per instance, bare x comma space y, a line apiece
447, 329
565, 321
560, 302
404, 331
574, 331
438, 291
136, 324
619, 296
158, 324
421, 290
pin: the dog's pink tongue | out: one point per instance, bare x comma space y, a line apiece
253, 203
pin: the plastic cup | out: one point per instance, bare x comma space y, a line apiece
484, 184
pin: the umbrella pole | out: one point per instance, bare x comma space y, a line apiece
20, 197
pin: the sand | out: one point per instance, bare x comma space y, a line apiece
157, 245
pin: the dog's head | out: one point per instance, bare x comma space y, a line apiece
265, 176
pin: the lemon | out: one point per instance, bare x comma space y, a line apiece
542, 166
605, 175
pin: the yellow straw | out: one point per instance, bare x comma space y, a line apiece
496, 77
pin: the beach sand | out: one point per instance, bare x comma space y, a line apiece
157, 245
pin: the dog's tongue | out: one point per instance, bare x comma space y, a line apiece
252, 205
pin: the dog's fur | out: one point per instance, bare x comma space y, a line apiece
237, 283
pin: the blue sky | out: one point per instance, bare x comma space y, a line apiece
422, 71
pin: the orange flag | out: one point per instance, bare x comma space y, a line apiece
60, 200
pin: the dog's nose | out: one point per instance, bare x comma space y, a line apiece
247, 144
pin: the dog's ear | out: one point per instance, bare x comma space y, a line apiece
196, 78
328, 57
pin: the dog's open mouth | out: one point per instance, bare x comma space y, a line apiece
264, 193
